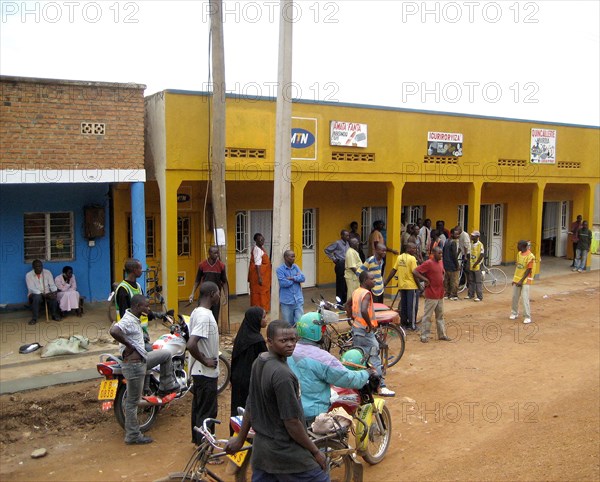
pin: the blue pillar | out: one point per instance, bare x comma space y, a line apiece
138, 227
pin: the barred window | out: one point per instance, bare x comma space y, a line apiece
150, 237
183, 236
48, 236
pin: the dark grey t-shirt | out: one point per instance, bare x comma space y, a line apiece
275, 397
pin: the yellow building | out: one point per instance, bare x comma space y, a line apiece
510, 179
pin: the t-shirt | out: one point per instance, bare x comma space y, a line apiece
211, 272
373, 266
476, 251
434, 272
274, 397
524, 260
204, 325
405, 264
585, 239
352, 261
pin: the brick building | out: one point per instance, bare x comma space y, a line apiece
64, 146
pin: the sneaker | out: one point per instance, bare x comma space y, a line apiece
512, 317
574, 269
447, 298
476, 299
527, 320
33, 321
454, 298
143, 440
580, 270
468, 297
386, 392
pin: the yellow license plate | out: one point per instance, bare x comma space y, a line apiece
108, 389
239, 457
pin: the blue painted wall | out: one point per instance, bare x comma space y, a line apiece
91, 264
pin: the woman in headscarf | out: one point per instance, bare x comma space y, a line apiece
248, 344
259, 275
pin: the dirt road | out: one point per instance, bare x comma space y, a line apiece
503, 401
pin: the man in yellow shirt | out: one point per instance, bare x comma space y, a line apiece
475, 278
408, 285
522, 280
353, 262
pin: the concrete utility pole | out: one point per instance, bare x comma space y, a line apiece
217, 148
283, 149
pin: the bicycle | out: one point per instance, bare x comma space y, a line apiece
391, 338
494, 279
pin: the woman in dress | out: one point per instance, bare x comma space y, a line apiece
248, 344
259, 275
67, 295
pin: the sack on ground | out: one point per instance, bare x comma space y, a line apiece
62, 346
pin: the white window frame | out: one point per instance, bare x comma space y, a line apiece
48, 237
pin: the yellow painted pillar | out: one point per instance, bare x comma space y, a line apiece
588, 213
168, 239
297, 218
394, 223
537, 205
474, 206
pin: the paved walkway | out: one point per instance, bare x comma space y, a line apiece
25, 372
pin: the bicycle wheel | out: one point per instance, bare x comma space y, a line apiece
195, 470
494, 280
340, 467
462, 281
395, 339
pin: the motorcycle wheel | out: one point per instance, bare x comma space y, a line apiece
340, 468
146, 415
224, 374
378, 442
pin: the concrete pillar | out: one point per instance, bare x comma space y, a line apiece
168, 240
297, 219
138, 227
589, 191
537, 205
474, 206
394, 213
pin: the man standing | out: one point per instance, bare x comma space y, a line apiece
336, 252
584, 236
128, 332
408, 286
361, 309
431, 272
354, 234
353, 261
464, 250
451, 266
374, 265
212, 269
522, 280
574, 236
475, 278
290, 290
282, 449
41, 289
425, 237
203, 346
375, 237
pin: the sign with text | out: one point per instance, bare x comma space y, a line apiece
543, 146
348, 134
444, 144
304, 138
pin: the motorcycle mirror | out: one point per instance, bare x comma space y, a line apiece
338, 299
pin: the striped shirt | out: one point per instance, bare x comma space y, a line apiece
372, 265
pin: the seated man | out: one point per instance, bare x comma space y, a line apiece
41, 289
317, 369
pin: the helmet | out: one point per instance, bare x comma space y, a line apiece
309, 327
355, 359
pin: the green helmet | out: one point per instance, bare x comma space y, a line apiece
309, 327
354, 359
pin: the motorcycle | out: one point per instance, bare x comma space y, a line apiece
113, 390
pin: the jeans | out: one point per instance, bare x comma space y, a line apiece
135, 374
204, 403
581, 258
291, 313
370, 345
432, 306
475, 284
409, 306
522, 293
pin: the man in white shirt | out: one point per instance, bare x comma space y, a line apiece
40, 289
203, 346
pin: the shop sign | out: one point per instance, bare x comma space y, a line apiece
444, 144
543, 146
301, 138
348, 134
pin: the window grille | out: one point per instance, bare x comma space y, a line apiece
150, 237
569, 165
93, 128
183, 236
353, 156
308, 231
48, 236
241, 231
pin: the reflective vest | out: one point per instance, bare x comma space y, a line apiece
357, 298
132, 292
